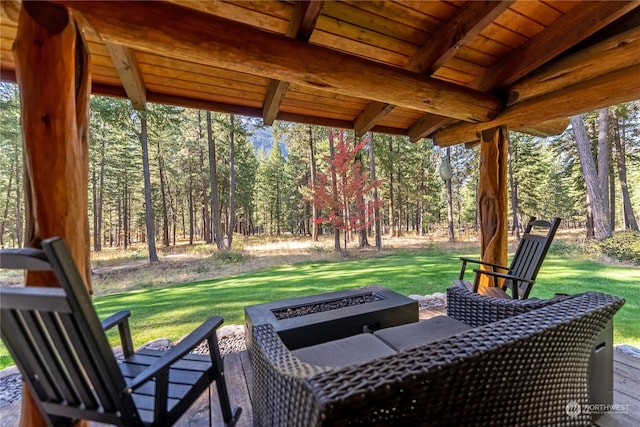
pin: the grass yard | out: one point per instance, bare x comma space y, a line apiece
173, 311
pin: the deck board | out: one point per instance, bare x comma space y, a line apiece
626, 392
239, 379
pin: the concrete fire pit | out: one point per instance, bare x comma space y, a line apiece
301, 322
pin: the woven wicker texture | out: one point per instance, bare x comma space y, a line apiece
521, 370
478, 310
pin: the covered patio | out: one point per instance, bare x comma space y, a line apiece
455, 72
459, 73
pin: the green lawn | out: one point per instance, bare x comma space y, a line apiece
174, 311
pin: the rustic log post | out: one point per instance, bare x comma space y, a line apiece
52, 69
492, 198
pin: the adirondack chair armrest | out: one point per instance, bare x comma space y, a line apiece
502, 275
497, 275
204, 331
120, 319
477, 261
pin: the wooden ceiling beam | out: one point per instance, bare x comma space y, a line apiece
370, 116
8, 76
11, 8
124, 59
474, 17
603, 91
545, 129
200, 104
210, 40
427, 125
305, 16
276, 92
571, 28
468, 23
125, 63
314, 120
160, 98
620, 51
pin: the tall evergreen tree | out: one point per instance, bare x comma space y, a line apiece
374, 194
11, 165
276, 182
213, 183
232, 182
151, 242
595, 194
628, 214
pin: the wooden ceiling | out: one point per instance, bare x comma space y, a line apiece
446, 70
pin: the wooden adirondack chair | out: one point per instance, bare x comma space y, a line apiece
520, 276
56, 339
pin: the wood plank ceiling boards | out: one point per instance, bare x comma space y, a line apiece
436, 69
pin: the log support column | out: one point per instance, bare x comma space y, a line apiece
492, 198
52, 69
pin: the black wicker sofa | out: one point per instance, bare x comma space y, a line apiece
518, 362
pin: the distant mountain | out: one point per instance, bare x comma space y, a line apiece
261, 136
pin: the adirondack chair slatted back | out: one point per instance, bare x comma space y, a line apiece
531, 252
56, 339
69, 364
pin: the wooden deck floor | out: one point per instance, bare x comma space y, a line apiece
239, 379
626, 392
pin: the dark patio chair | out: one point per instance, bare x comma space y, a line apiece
56, 339
520, 276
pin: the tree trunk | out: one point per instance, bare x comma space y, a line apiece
232, 181
148, 211
163, 197
213, 182
392, 222
629, 217
513, 183
171, 210
398, 212
312, 171
612, 198
55, 126
206, 222
191, 231
19, 223
604, 161
97, 241
492, 197
452, 237
596, 196
12, 169
125, 213
334, 187
363, 242
376, 209
100, 209
589, 224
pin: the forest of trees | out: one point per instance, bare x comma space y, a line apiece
185, 175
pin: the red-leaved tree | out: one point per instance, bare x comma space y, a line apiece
343, 189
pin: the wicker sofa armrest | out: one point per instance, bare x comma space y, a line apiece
281, 395
478, 310
536, 363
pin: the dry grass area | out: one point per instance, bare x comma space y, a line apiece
117, 270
